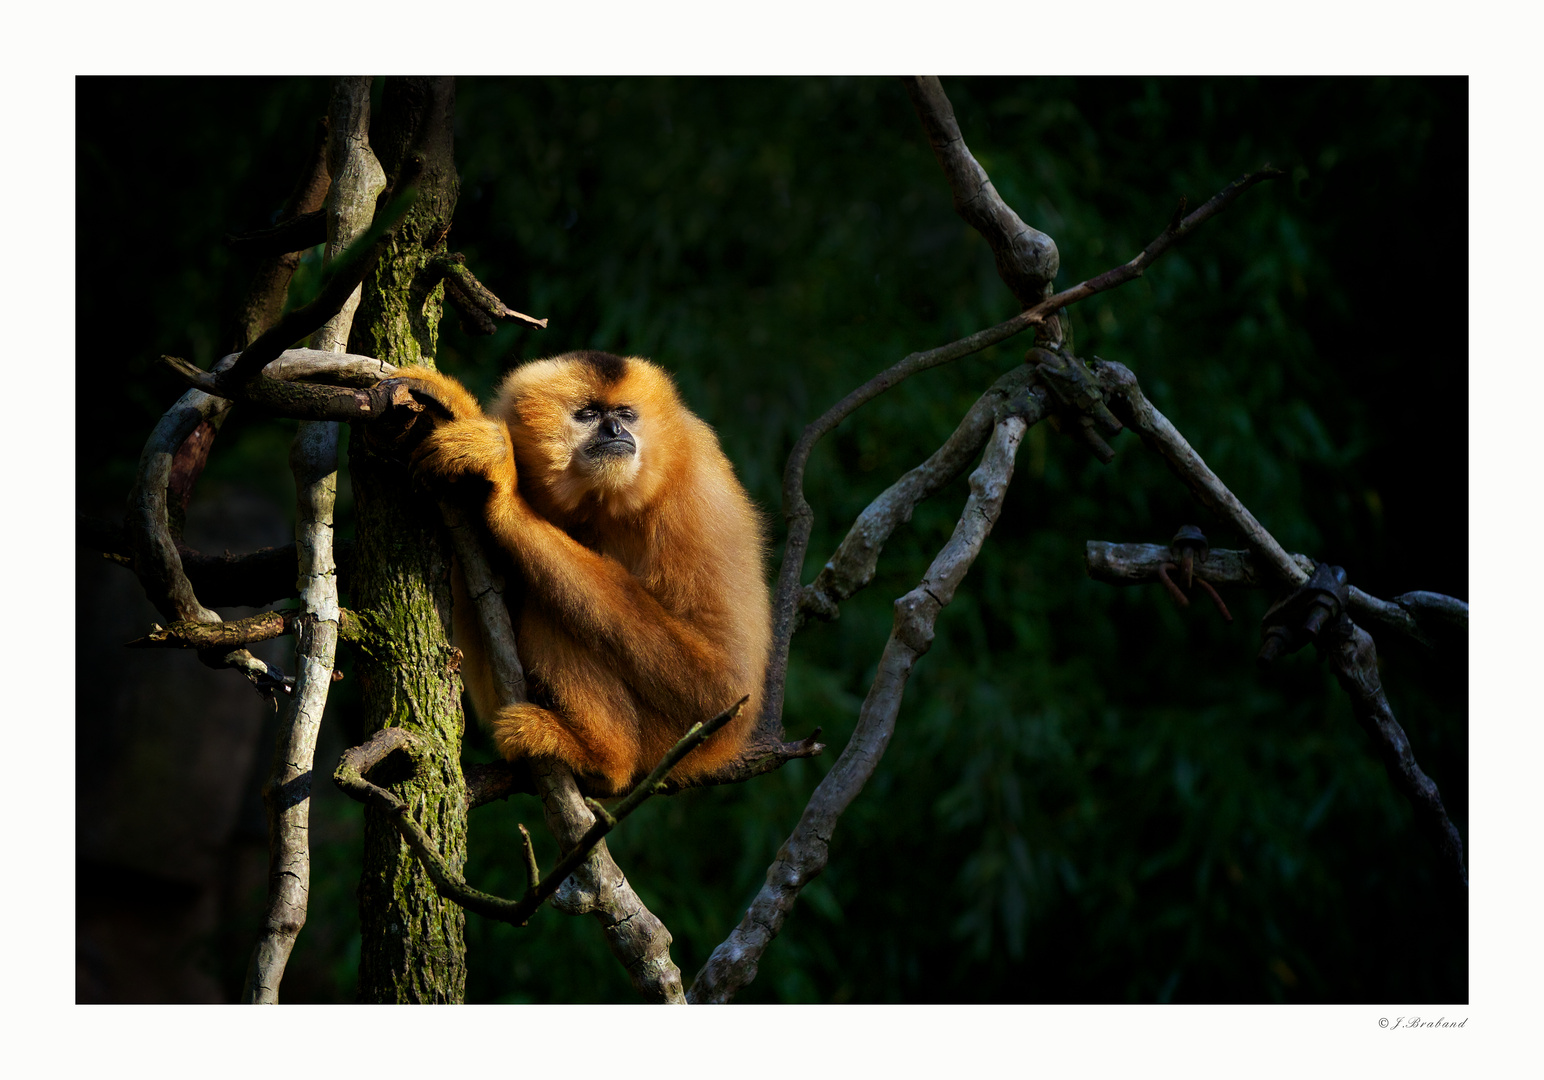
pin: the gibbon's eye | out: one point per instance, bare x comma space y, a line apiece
589, 414
625, 412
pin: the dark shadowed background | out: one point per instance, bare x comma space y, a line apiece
1091, 796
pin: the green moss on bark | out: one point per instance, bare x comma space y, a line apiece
413, 941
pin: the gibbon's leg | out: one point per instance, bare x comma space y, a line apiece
593, 724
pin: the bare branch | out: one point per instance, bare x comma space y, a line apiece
1162, 437
314, 462
1178, 229
1354, 659
1420, 616
335, 294
228, 635
298, 233
852, 566
302, 400
247, 580
474, 300
156, 560
801, 516
734, 963
280, 246
1027, 259
352, 777
786, 602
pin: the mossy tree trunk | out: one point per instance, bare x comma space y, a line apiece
413, 941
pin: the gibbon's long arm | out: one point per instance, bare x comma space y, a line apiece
672, 664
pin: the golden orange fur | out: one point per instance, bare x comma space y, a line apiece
644, 607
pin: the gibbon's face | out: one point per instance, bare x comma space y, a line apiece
592, 430
604, 438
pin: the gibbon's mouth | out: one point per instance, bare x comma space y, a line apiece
620, 446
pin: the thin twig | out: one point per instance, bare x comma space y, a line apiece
473, 299
1170, 236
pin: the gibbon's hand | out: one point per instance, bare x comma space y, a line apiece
470, 447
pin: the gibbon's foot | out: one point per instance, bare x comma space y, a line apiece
473, 447
526, 730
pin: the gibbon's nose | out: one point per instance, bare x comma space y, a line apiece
611, 427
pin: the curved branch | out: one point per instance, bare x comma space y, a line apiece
252, 579
157, 562
734, 963
1027, 259
797, 511
801, 516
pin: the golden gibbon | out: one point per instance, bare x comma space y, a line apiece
644, 608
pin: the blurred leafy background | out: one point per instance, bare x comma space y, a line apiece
1091, 796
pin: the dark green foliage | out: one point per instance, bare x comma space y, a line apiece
1091, 795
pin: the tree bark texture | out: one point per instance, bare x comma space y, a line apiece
413, 940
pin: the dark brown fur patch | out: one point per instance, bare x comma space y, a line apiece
608, 366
